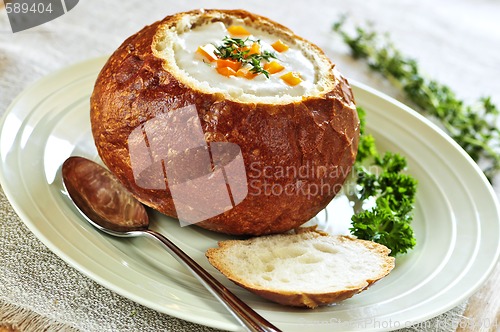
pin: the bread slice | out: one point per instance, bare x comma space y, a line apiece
307, 269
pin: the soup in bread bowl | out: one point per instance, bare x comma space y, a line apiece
227, 120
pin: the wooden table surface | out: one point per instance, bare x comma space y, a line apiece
483, 310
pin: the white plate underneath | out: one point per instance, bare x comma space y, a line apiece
456, 218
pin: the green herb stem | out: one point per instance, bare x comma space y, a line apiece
474, 128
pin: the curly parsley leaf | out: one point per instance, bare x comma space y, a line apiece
382, 180
384, 226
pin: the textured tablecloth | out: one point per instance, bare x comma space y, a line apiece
456, 42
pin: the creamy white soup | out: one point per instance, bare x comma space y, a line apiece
295, 76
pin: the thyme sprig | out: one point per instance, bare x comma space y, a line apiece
473, 127
238, 49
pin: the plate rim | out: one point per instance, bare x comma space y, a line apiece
192, 318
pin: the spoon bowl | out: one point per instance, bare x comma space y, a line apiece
101, 198
109, 207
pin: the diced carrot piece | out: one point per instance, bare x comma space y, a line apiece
279, 46
234, 65
273, 67
255, 49
208, 51
291, 78
238, 30
246, 73
226, 71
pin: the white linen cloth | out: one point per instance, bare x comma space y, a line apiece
455, 42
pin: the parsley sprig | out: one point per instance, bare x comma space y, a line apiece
473, 127
238, 49
381, 178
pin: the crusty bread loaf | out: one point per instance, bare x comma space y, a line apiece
308, 269
297, 149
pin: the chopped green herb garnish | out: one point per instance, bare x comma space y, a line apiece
238, 49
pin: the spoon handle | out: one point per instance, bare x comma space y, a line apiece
240, 310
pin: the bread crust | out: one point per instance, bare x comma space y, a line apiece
298, 298
134, 86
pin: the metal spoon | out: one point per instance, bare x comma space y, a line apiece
109, 207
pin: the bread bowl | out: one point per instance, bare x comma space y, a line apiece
292, 144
